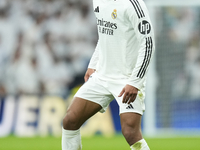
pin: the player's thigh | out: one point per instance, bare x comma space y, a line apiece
131, 127
78, 112
95, 90
131, 121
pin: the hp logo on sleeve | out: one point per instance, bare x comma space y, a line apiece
144, 27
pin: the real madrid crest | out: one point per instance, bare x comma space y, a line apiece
114, 14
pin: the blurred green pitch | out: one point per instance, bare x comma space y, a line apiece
98, 143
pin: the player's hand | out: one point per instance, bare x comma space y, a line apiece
88, 73
130, 93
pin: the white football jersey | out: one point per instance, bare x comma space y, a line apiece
126, 41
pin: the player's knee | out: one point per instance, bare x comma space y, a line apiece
132, 134
71, 122
130, 131
127, 131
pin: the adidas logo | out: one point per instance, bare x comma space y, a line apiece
130, 107
96, 9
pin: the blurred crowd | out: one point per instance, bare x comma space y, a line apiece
178, 53
45, 45
177, 61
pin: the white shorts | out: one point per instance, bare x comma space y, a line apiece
103, 92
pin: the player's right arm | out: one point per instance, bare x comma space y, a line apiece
93, 63
88, 73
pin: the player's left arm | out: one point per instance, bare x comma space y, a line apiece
129, 93
139, 18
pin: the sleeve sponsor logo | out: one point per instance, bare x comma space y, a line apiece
144, 27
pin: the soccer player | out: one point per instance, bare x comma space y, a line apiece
117, 70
